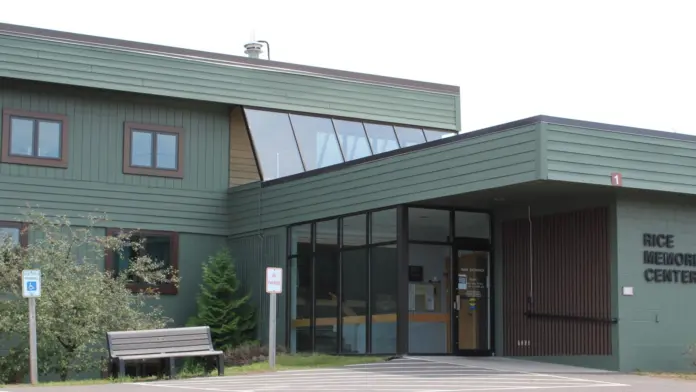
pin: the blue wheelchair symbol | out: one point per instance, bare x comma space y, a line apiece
31, 286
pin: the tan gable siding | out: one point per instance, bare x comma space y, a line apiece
243, 169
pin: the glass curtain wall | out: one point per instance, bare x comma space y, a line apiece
287, 143
343, 284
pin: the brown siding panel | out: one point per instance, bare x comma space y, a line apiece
243, 169
570, 276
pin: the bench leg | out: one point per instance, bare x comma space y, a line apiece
207, 366
121, 368
172, 368
221, 365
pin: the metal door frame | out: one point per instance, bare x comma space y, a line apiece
473, 245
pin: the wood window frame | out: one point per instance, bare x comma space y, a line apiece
128, 129
23, 231
164, 288
7, 157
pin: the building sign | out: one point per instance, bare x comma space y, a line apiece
671, 266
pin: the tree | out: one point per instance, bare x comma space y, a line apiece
79, 302
222, 306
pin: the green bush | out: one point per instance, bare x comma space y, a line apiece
222, 306
248, 353
79, 302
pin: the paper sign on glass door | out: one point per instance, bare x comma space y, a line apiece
463, 282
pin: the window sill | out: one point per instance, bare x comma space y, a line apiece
143, 171
32, 161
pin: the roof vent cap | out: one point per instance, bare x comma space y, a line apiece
254, 49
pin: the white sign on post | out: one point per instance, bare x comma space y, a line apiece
31, 283
274, 286
274, 280
31, 288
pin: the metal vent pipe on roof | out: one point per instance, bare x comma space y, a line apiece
254, 49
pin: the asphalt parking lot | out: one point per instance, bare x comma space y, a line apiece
410, 375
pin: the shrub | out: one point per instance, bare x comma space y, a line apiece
79, 302
248, 353
222, 306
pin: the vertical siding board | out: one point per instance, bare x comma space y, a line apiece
96, 119
94, 179
571, 277
252, 254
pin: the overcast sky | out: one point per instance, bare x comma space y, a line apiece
624, 62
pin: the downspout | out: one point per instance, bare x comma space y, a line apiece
530, 297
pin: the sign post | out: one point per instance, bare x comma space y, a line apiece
274, 286
31, 288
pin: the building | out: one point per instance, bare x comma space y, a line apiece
546, 238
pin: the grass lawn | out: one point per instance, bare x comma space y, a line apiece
283, 362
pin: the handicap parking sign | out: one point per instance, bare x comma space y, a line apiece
31, 283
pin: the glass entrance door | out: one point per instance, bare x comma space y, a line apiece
471, 306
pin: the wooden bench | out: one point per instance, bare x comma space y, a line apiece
166, 344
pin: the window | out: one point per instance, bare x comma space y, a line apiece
274, 143
300, 288
317, 140
382, 137
409, 136
354, 231
153, 150
326, 285
342, 287
288, 143
354, 300
351, 135
383, 294
431, 135
32, 138
13, 231
472, 224
162, 246
383, 226
429, 225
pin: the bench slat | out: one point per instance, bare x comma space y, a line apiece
172, 338
172, 355
162, 350
147, 333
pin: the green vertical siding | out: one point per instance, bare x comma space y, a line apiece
467, 165
589, 156
96, 121
252, 254
214, 81
194, 250
94, 179
657, 322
